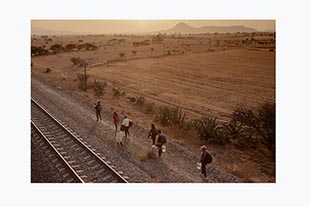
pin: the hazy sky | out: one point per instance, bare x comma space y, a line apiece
133, 26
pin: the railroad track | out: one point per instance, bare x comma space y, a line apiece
82, 162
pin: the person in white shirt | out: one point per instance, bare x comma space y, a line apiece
158, 143
126, 123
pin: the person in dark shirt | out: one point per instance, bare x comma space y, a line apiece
152, 133
203, 161
116, 120
98, 108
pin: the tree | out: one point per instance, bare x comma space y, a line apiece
36, 51
258, 124
71, 47
57, 48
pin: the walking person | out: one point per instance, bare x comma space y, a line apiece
118, 136
205, 158
152, 133
98, 108
159, 142
116, 121
127, 124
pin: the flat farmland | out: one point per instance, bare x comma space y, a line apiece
210, 83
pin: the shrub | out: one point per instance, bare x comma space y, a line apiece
47, 70
132, 99
257, 125
99, 88
37, 51
121, 55
117, 92
78, 61
168, 116
219, 136
163, 115
191, 125
71, 47
234, 129
140, 100
87, 46
149, 107
265, 127
207, 127
56, 48
177, 117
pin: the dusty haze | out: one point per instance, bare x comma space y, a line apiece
137, 26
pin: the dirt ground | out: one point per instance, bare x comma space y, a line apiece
203, 75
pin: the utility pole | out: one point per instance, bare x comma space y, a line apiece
85, 79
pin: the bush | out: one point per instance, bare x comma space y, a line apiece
140, 100
71, 47
211, 130
266, 128
47, 70
168, 116
117, 92
121, 55
56, 48
191, 125
177, 116
234, 129
206, 127
219, 136
99, 88
149, 107
87, 46
257, 125
78, 61
163, 116
37, 51
132, 99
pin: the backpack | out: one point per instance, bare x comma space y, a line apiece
116, 119
130, 123
208, 157
162, 139
98, 107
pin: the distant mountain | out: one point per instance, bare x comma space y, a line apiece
186, 29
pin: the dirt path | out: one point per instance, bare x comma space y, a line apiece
177, 165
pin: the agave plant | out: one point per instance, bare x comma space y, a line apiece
163, 115
207, 127
140, 100
99, 88
149, 107
177, 117
170, 116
